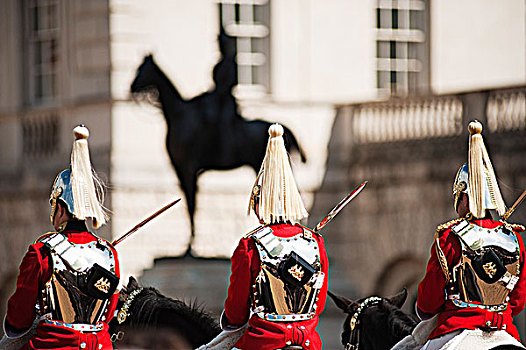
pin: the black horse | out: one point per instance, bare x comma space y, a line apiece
377, 323
147, 319
374, 323
205, 132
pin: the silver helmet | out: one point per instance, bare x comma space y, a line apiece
461, 185
61, 190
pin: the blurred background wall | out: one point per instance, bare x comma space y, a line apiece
377, 90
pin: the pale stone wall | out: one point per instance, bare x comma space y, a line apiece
323, 51
477, 44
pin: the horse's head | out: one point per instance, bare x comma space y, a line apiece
374, 322
146, 79
125, 291
227, 44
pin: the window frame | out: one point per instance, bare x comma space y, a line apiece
249, 22
42, 25
402, 69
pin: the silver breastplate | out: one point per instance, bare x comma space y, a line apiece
489, 267
83, 280
290, 277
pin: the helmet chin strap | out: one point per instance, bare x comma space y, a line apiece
53, 213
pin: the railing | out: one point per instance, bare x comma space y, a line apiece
506, 111
436, 116
407, 120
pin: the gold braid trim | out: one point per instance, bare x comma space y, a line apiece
440, 254
43, 236
513, 227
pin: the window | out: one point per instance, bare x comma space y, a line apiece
40, 135
248, 21
401, 46
41, 39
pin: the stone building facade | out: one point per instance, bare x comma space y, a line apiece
308, 64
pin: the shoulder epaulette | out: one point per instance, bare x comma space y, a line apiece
248, 235
44, 236
309, 229
446, 225
440, 254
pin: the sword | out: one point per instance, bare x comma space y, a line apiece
145, 221
349, 197
510, 211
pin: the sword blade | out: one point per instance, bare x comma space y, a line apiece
145, 221
510, 211
349, 197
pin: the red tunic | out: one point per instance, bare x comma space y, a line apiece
432, 298
35, 271
262, 334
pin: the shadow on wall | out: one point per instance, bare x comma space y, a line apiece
402, 272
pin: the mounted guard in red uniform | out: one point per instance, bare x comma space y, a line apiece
475, 280
279, 270
67, 288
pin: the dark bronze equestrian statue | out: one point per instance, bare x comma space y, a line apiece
207, 132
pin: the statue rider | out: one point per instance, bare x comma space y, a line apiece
66, 291
279, 273
475, 280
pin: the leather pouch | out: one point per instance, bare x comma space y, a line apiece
295, 270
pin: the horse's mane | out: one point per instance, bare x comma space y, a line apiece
400, 323
150, 305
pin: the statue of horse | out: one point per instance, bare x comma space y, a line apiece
205, 132
149, 320
377, 323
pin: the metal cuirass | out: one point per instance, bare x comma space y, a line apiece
290, 277
489, 267
82, 281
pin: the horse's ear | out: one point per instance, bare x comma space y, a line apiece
399, 299
347, 305
132, 284
148, 57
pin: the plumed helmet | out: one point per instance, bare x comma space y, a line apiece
275, 189
477, 178
79, 188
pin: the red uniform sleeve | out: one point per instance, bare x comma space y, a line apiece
322, 296
518, 294
237, 304
21, 306
431, 290
112, 305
